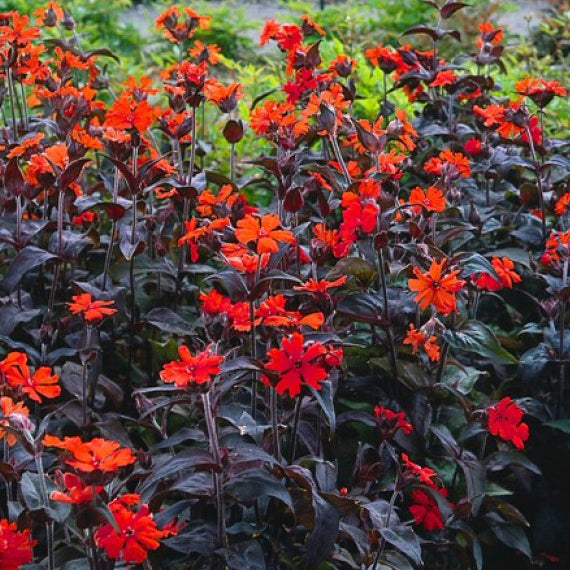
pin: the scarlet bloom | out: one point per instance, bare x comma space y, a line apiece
199, 369
473, 146
272, 313
540, 91
504, 270
504, 420
43, 383
432, 200
436, 289
297, 365
214, 303
134, 532
14, 413
425, 510
96, 455
425, 475
15, 546
263, 231
391, 422
77, 491
90, 310
126, 114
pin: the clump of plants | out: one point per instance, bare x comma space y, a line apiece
365, 370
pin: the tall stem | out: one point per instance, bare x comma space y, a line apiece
561, 332
339, 159
218, 483
274, 427
382, 544
12, 97
389, 333
294, 433
253, 355
109, 252
45, 504
233, 162
538, 182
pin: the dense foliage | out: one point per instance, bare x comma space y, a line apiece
349, 351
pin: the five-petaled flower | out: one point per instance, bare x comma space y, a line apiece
90, 310
263, 231
189, 370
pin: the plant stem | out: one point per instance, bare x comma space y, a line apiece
274, 427
538, 182
296, 420
382, 544
253, 355
12, 97
339, 159
391, 342
218, 484
561, 332
233, 162
45, 503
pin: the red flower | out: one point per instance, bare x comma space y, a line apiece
43, 383
504, 270
95, 455
297, 364
14, 413
214, 303
473, 146
562, 205
199, 369
417, 339
504, 420
134, 532
15, 546
90, 310
444, 78
320, 287
425, 510
432, 200
449, 164
392, 422
77, 491
425, 475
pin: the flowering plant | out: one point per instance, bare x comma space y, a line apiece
361, 373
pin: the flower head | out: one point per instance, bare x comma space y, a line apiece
263, 232
504, 420
90, 310
199, 369
15, 546
425, 510
435, 288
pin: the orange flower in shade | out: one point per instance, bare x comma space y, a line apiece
199, 369
16, 547
425, 511
90, 310
449, 164
417, 339
504, 270
425, 475
297, 365
504, 420
263, 231
320, 287
42, 384
556, 243
272, 313
95, 455
436, 289
432, 200
13, 412
133, 534
328, 240
562, 205
77, 492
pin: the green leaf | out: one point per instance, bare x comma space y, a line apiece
561, 425
475, 337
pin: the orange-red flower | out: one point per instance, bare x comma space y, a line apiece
77, 492
504, 270
436, 289
562, 205
449, 164
540, 91
320, 287
444, 78
417, 339
425, 475
272, 313
263, 231
16, 548
504, 420
214, 303
95, 455
14, 413
432, 200
133, 534
297, 365
42, 384
90, 310
199, 369
489, 34
126, 114
391, 422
